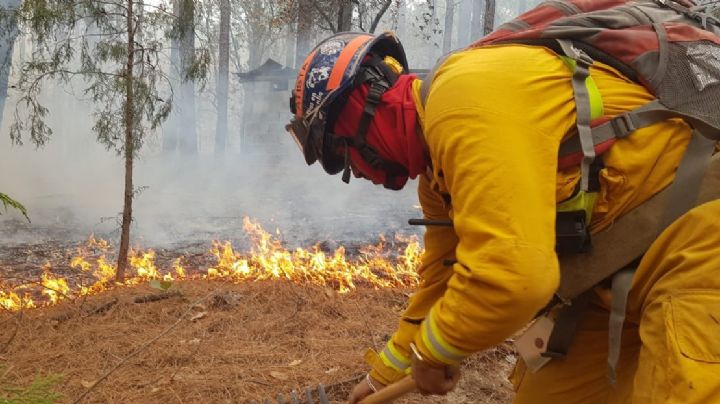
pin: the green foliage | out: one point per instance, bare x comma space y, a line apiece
85, 43
9, 202
161, 284
40, 391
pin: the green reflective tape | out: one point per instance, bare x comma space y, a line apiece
596, 104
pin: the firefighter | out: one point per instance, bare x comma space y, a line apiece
483, 142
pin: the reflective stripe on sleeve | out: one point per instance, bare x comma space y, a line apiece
392, 358
440, 349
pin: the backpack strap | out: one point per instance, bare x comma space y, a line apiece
624, 124
566, 321
621, 283
582, 107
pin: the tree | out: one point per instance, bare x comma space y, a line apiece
170, 127
448, 31
222, 79
8, 33
187, 139
337, 15
489, 17
344, 15
476, 24
122, 69
463, 24
304, 27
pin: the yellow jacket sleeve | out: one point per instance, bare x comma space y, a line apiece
498, 162
394, 360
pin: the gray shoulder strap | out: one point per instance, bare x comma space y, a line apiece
583, 115
621, 283
625, 123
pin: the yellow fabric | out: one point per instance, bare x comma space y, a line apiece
493, 122
671, 344
394, 359
379, 370
433, 340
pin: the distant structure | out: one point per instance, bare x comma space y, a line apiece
265, 106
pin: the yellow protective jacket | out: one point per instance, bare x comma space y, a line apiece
493, 122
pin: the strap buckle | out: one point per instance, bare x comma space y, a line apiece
623, 125
583, 57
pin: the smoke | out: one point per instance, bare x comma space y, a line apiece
73, 187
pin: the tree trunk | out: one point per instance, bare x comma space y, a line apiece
290, 46
345, 12
304, 27
222, 80
376, 20
476, 25
188, 132
129, 111
170, 127
489, 20
401, 19
463, 23
448, 29
7, 42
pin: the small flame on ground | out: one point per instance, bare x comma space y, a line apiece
379, 265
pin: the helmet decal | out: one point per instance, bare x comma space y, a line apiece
346, 61
331, 47
315, 100
299, 86
317, 74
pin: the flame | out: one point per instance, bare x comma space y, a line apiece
384, 264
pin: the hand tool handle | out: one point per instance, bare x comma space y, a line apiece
391, 392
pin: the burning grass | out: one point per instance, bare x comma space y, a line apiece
382, 265
248, 341
232, 327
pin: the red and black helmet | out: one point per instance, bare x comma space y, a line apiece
330, 71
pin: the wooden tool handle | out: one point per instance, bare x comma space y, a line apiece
391, 392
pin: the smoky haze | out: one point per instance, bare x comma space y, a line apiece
73, 187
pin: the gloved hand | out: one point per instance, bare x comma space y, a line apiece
432, 379
364, 389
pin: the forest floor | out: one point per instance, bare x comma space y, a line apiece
219, 342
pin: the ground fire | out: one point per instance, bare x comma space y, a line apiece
241, 321
384, 264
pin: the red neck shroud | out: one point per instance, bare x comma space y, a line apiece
392, 132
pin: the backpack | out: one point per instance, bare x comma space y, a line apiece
671, 49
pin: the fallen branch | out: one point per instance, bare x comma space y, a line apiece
156, 297
140, 349
102, 308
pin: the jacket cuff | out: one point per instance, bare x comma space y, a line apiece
434, 347
389, 365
